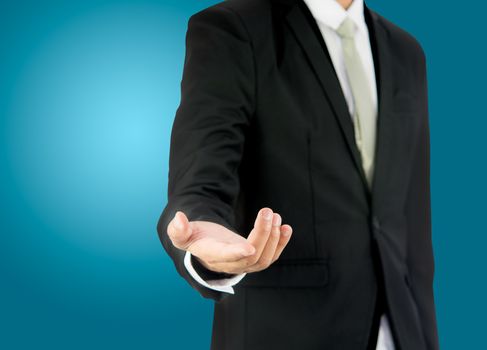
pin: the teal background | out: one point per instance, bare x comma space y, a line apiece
88, 92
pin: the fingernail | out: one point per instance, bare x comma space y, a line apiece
287, 232
277, 220
267, 214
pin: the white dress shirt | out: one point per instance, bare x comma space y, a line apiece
328, 14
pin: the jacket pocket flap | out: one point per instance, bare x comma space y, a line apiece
289, 274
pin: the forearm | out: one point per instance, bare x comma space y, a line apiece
420, 261
208, 134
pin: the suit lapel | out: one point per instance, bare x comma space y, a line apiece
319, 60
324, 70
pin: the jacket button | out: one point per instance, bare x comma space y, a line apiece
375, 222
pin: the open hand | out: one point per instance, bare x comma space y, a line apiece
222, 250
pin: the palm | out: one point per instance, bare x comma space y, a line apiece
210, 241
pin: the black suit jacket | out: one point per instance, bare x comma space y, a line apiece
263, 122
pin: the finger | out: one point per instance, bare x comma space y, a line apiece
270, 248
179, 230
261, 231
286, 232
250, 264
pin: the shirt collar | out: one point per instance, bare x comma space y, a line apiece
331, 13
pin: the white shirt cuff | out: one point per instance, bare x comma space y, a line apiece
222, 285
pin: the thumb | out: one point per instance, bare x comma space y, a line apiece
179, 230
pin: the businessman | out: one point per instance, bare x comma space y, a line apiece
299, 182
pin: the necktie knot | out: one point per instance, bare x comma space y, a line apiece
346, 28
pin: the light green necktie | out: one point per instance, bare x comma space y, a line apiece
365, 115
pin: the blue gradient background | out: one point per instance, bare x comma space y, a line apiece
88, 92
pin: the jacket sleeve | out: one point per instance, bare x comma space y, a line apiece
208, 133
418, 211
